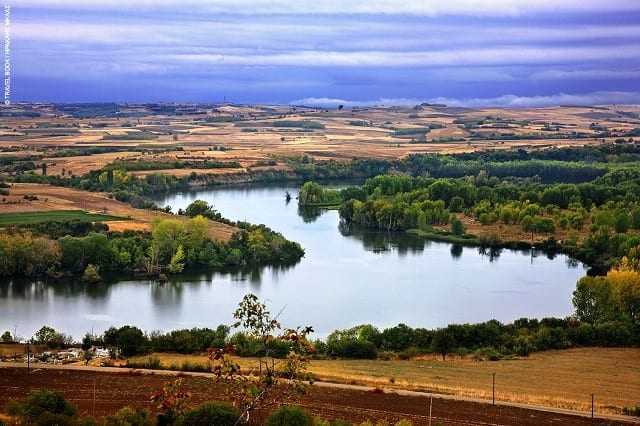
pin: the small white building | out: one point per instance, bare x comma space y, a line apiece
101, 353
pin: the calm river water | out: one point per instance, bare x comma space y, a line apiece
343, 280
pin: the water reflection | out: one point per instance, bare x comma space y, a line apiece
456, 251
493, 253
309, 214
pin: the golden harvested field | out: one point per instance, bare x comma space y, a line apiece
50, 198
564, 379
252, 135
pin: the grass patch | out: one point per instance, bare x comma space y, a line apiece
410, 131
130, 136
445, 237
29, 218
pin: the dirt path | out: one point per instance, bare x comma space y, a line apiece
117, 387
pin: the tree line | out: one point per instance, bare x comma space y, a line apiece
58, 249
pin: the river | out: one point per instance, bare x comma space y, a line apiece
343, 280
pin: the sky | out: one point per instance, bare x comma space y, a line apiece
327, 52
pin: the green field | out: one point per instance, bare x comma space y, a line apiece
28, 218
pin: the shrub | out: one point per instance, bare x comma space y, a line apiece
289, 416
43, 407
409, 353
51, 419
91, 275
128, 416
210, 413
487, 354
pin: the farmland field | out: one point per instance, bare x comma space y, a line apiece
376, 132
563, 379
7, 219
101, 392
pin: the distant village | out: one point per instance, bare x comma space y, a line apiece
30, 353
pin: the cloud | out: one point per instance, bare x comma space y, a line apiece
595, 98
341, 7
355, 33
285, 49
595, 74
334, 102
453, 57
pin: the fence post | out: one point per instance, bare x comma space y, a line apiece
494, 388
593, 408
430, 407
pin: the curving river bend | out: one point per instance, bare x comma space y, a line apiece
343, 280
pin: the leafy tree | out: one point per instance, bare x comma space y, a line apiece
276, 381
87, 342
50, 337
130, 340
6, 337
622, 222
457, 227
201, 208
167, 235
27, 255
594, 300
443, 342
312, 193
625, 284
456, 204
176, 265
